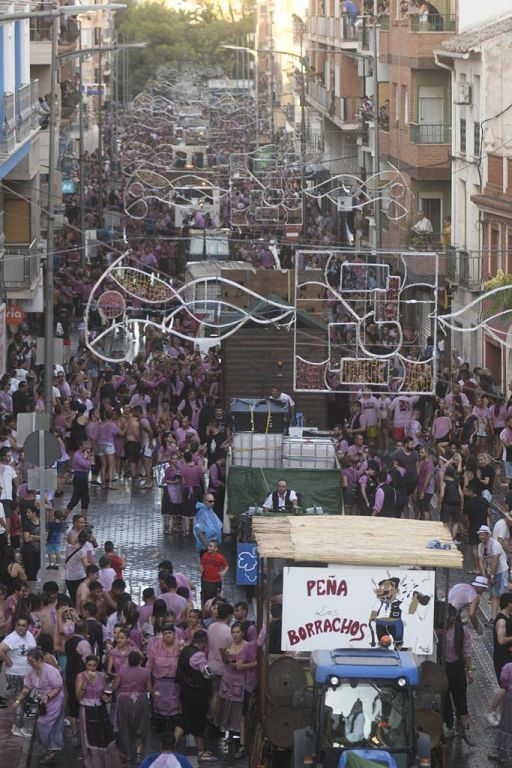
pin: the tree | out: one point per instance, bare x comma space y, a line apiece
176, 38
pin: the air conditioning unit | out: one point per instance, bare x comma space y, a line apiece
463, 93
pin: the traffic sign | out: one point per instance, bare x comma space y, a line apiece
15, 315
34, 479
50, 449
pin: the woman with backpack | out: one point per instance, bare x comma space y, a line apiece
451, 501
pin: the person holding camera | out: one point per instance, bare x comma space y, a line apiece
46, 681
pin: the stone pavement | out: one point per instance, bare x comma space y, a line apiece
131, 518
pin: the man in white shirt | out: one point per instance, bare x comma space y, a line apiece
282, 500
13, 653
276, 394
493, 564
501, 532
7, 484
464, 595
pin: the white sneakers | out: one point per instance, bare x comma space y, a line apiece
493, 718
24, 732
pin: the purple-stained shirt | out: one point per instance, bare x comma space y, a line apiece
49, 679
247, 656
105, 431
175, 603
80, 462
198, 661
191, 475
132, 680
451, 654
145, 611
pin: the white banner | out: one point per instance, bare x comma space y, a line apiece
354, 606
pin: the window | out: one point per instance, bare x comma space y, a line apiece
462, 135
395, 102
476, 139
97, 36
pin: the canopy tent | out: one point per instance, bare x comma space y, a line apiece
355, 540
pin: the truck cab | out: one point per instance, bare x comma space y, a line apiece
362, 712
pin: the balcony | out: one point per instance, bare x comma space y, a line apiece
434, 22
425, 133
470, 270
20, 266
26, 106
452, 264
318, 93
40, 42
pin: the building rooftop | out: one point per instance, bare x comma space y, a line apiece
468, 41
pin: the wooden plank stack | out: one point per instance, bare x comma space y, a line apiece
354, 540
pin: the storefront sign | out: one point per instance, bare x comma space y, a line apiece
15, 315
355, 606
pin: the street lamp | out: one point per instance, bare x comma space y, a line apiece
253, 52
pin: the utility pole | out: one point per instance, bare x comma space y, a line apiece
271, 80
81, 151
49, 349
100, 135
303, 129
376, 137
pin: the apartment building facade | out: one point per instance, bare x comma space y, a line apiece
478, 59
20, 247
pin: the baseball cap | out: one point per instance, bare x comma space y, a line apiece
484, 529
480, 581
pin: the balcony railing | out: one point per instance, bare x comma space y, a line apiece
319, 94
20, 265
7, 143
9, 111
425, 133
348, 31
40, 30
23, 97
452, 264
433, 22
470, 270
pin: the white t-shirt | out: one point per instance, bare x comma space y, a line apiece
284, 398
105, 577
461, 595
18, 649
75, 566
401, 409
281, 500
501, 530
493, 548
7, 475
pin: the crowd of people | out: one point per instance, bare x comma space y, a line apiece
79, 650
445, 457
94, 660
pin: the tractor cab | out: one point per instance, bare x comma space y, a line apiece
363, 709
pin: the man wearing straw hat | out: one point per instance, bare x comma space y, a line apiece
467, 596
